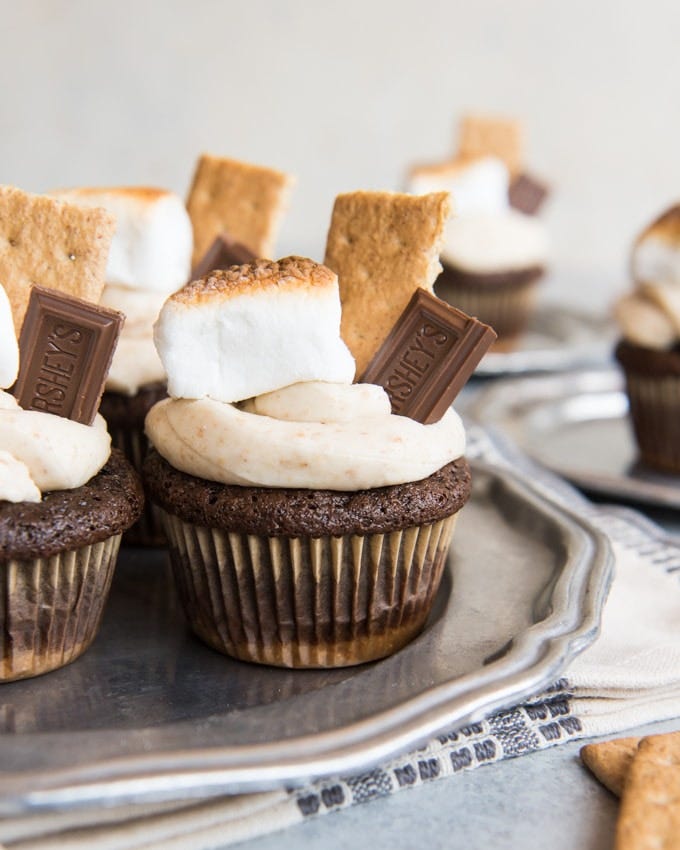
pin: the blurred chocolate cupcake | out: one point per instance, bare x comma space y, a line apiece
308, 525
495, 250
649, 351
150, 258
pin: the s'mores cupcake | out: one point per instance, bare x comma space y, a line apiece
495, 249
308, 524
65, 496
649, 351
150, 257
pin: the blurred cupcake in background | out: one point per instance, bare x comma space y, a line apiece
649, 351
233, 209
150, 258
496, 249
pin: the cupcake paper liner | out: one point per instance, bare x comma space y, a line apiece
50, 608
655, 413
307, 601
506, 308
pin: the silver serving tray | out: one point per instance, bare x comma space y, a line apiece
151, 713
558, 338
577, 425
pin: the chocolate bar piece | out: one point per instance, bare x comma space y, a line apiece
428, 357
527, 193
65, 352
223, 253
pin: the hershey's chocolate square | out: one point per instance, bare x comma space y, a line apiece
65, 352
428, 357
527, 193
223, 253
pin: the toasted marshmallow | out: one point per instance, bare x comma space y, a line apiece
656, 252
477, 185
9, 349
152, 245
485, 244
252, 329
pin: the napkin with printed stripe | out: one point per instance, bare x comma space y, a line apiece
628, 677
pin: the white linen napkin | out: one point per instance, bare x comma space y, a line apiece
629, 677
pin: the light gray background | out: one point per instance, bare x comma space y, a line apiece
346, 94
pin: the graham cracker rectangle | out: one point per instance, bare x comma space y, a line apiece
56, 245
247, 201
482, 135
383, 246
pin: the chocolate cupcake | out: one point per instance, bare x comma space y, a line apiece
495, 250
65, 499
308, 526
307, 578
649, 352
57, 558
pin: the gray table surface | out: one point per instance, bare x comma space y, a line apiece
544, 800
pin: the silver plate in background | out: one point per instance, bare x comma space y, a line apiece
577, 425
151, 713
558, 338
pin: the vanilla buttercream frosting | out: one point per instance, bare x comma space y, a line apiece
218, 441
58, 453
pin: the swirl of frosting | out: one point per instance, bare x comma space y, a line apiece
312, 435
58, 454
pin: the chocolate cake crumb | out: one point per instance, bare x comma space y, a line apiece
296, 512
68, 519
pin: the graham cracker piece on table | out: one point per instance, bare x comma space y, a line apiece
610, 761
650, 805
247, 201
383, 246
51, 243
491, 136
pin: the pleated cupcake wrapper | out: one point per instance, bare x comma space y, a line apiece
50, 608
655, 411
506, 309
148, 530
308, 601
